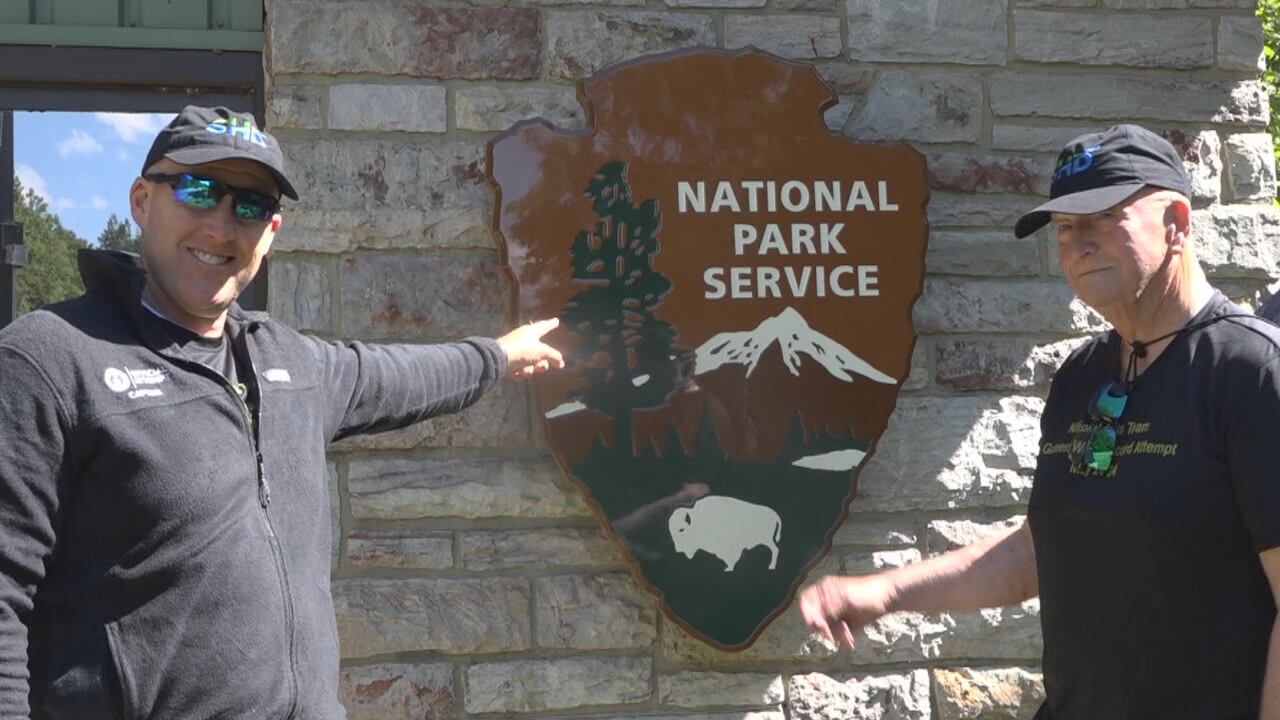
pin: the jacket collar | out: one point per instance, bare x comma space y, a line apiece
121, 277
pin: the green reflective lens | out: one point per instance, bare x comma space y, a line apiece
251, 208
205, 194
1111, 402
1100, 449
196, 192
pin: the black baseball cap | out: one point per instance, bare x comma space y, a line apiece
1100, 170
199, 135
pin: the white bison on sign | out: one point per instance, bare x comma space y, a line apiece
725, 527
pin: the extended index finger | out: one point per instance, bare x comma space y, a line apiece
542, 327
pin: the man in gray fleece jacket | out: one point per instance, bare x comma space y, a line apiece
164, 524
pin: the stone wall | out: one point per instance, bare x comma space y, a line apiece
470, 580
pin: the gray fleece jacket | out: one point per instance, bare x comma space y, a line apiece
163, 554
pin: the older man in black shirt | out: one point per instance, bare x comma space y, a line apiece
1153, 531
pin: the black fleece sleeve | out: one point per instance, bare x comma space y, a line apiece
373, 388
33, 450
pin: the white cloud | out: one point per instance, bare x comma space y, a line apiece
33, 180
64, 204
134, 127
123, 155
99, 202
80, 143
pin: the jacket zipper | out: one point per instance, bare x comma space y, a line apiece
264, 501
264, 494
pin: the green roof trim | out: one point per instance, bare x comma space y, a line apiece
129, 37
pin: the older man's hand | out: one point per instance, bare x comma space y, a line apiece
526, 353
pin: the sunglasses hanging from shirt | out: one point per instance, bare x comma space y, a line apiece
205, 193
1098, 451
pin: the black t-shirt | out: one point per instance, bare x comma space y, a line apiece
1154, 603
214, 353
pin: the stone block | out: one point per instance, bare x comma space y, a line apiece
896, 696
580, 43
377, 617
941, 31
926, 107
381, 193
1114, 39
339, 38
848, 79
991, 253
966, 173
877, 532
837, 115
400, 549
299, 292
1237, 241
1104, 97
802, 37
488, 109
1202, 157
693, 689
409, 489
996, 211
993, 306
735, 4
593, 612
294, 106
987, 693
1240, 43
1034, 138
499, 419
1011, 633
980, 451
946, 535
422, 297
398, 691
484, 550
994, 363
804, 5
1251, 167
869, 562
387, 108
527, 686
918, 378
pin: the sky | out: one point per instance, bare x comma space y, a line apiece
83, 163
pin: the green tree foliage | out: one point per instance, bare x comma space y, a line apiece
1269, 14
52, 274
630, 355
119, 235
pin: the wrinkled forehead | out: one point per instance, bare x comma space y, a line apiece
235, 171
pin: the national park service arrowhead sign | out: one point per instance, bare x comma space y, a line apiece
734, 284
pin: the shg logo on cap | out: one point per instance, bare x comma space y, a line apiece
237, 126
1076, 163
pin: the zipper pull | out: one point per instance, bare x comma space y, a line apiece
264, 490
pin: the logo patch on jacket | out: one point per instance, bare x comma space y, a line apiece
138, 383
279, 375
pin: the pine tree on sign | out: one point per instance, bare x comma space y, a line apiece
629, 355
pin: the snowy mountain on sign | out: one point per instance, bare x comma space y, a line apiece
794, 337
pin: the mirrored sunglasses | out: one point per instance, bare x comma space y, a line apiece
205, 193
1098, 450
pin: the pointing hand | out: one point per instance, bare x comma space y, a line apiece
527, 355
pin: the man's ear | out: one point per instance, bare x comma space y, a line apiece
1177, 223
276, 222
139, 193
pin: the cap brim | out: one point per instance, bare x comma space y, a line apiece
202, 155
1084, 202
